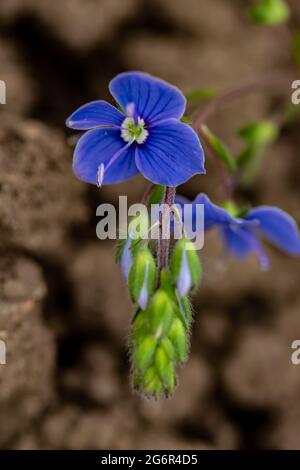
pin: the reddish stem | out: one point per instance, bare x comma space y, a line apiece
163, 247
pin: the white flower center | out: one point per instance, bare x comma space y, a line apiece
130, 130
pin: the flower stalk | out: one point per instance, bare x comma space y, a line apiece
163, 245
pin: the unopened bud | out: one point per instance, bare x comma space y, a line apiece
160, 313
142, 277
179, 339
144, 353
185, 267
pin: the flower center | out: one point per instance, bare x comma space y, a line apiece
132, 130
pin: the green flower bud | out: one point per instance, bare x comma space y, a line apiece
185, 267
154, 387
178, 337
144, 353
142, 277
164, 366
160, 313
168, 348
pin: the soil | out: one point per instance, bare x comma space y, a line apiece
64, 309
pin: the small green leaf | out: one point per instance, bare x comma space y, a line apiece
258, 136
259, 133
270, 12
220, 149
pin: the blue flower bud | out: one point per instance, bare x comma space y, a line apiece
185, 267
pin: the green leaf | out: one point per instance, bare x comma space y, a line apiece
259, 133
220, 149
203, 93
258, 136
270, 12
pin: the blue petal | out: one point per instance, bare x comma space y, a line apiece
154, 99
171, 155
240, 242
94, 114
101, 146
278, 227
213, 214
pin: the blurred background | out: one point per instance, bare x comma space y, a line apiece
64, 311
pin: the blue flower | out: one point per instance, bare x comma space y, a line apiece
242, 233
146, 137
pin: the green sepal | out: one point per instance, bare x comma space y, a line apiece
184, 310
195, 265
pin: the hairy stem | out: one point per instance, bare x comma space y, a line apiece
163, 246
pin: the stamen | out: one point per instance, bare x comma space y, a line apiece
100, 175
132, 130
